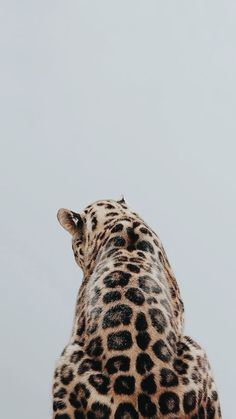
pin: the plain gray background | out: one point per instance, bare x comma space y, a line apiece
100, 98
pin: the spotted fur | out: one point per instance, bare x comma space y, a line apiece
127, 357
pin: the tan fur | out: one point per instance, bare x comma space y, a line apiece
129, 307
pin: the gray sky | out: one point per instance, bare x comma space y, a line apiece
99, 99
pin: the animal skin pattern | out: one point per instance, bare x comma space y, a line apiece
127, 357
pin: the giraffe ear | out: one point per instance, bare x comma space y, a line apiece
70, 221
